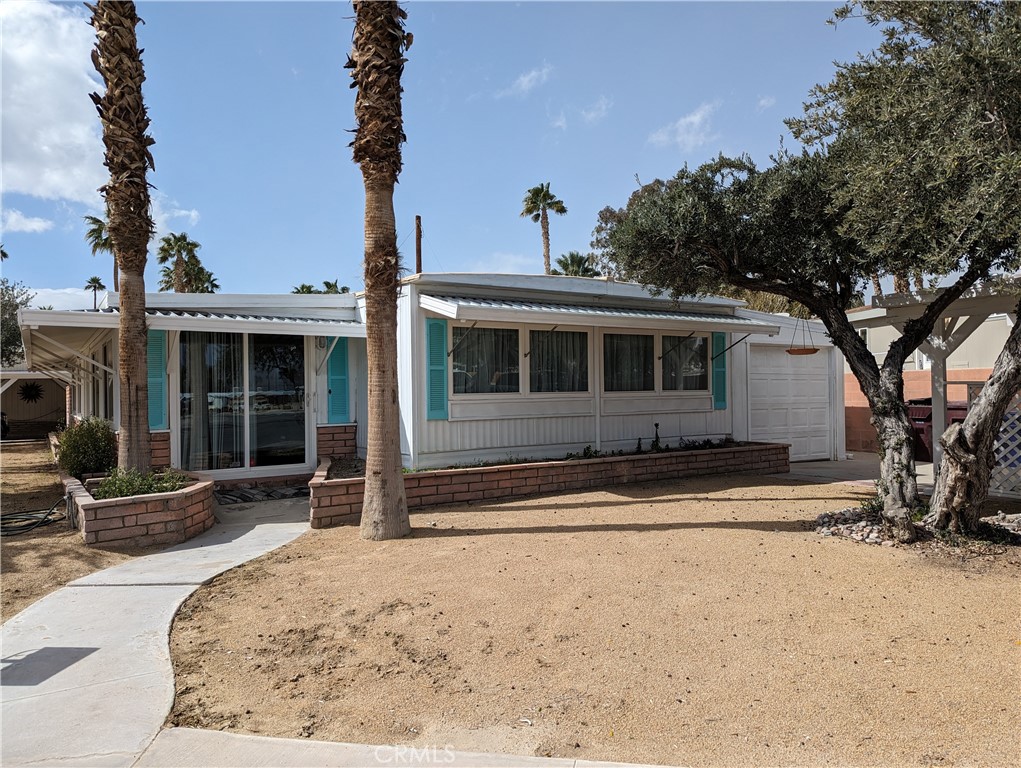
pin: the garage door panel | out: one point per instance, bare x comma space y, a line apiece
789, 401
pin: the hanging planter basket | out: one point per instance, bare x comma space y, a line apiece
807, 346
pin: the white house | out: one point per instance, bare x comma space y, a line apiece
490, 367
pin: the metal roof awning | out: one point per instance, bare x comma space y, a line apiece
468, 308
54, 338
195, 320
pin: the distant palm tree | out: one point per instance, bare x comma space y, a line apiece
177, 249
128, 210
574, 264
192, 277
376, 63
98, 239
95, 285
305, 288
330, 286
537, 204
3, 253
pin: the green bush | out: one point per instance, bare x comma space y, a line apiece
131, 482
88, 447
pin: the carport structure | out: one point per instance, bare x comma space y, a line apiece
962, 318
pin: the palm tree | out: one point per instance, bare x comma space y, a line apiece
305, 288
95, 285
574, 264
3, 253
99, 240
187, 275
537, 204
129, 220
376, 64
177, 249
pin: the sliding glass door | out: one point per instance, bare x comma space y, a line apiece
242, 400
276, 400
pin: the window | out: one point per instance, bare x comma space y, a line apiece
558, 361
685, 363
628, 363
485, 360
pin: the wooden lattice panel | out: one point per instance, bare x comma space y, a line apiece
1006, 476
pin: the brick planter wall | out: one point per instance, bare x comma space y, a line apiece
141, 521
335, 440
337, 502
159, 449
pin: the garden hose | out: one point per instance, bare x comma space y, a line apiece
13, 523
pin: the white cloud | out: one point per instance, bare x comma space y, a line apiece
15, 221
63, 298
597, 111
560, 121
169, 217
691, 131
51, 134
527, 82
764, 103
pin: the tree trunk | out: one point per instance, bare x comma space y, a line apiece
385, 506
133, 451
898, 485
968, 448
179, 286
116, 276
884, 390
544, 222
129, 223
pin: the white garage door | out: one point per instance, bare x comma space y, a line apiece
789, 398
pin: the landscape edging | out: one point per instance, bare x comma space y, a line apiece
339, 502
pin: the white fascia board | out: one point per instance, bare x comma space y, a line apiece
542, 287
456, 311
66, 318
297, 303
178, 323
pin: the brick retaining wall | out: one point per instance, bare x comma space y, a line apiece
141, 521
335, 440
159, 449
337, 502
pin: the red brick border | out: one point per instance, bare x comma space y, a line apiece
141, 521
335, 440
338, 502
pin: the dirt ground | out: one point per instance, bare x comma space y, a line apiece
698, 622
36, 563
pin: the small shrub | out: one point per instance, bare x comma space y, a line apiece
872, 507
88, 447
131, 482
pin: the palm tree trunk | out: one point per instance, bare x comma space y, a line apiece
179, 286
129, 222
544, 221
377, 62
116, 277
133, 445
384, 512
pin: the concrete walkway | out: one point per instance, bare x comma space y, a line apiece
87, 679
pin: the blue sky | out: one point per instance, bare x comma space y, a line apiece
251, 108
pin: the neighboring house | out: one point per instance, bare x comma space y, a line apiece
970, 364
490, 368
34, 403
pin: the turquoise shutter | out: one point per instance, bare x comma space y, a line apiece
719, 372
338, 406
156, 363
436, 368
